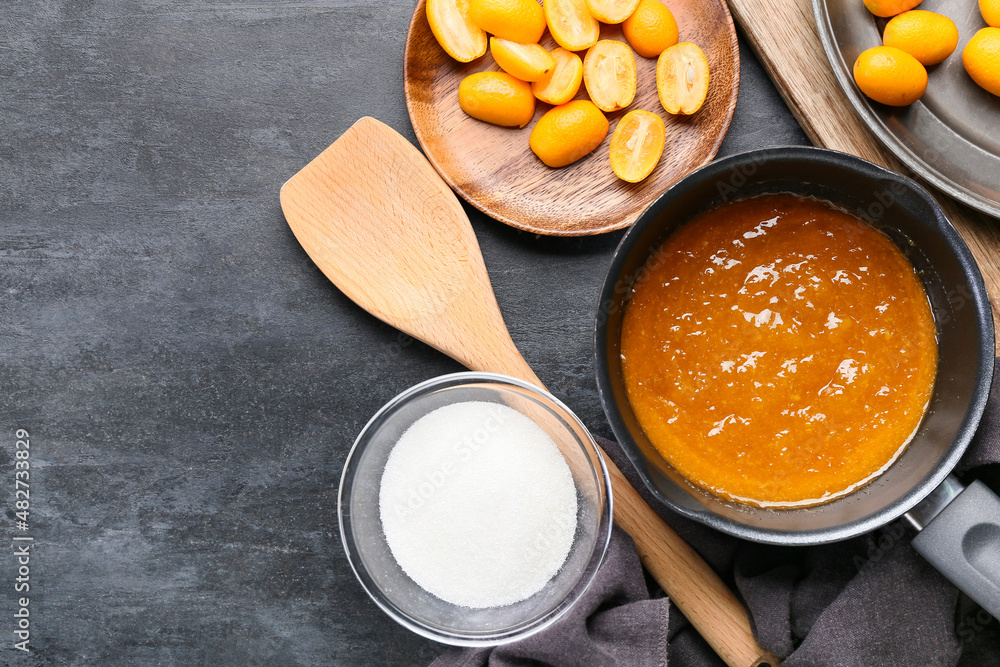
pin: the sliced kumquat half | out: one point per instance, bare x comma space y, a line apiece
517, 20
636, 145
571, 24
611, 11
682, 78
527, 62
609, 74
497, 98
562, 83
454, 30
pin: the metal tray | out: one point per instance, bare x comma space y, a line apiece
951, 136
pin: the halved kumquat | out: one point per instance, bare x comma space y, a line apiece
682, 78
609, 74
454, 30
611, 11
527, 62
636, 145
571, 24
561, 84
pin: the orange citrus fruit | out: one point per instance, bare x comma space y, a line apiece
455, 32
990, 9
563, 81
611, 11
928, 37
636, 145
981, 58
516, 20
890, 76
527, 62
571, 24
498, 98
568, 132
651, 28
682, 78
609, 74
887, 8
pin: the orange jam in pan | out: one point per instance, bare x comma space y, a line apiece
778, 351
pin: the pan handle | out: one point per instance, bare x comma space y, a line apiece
962, 538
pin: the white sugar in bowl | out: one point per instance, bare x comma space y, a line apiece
475, 509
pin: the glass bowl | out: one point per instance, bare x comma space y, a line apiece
399, 596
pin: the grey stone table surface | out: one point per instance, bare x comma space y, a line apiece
189, 381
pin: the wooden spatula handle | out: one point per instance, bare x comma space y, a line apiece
692, 585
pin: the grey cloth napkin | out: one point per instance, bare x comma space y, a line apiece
871, 600
615, 623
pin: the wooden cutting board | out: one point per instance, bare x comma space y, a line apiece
783, 33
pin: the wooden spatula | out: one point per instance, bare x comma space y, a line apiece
377, 219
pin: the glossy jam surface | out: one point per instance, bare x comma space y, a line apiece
778, 352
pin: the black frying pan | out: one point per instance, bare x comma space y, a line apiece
959, 527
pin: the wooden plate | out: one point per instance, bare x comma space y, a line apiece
493, 168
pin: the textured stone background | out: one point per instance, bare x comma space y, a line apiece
190, 381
